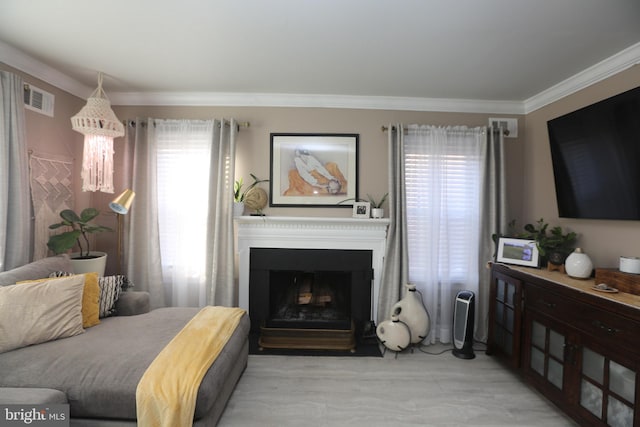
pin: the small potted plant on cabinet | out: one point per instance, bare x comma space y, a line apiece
84, 261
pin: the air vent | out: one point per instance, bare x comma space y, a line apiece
38, 100
511, 125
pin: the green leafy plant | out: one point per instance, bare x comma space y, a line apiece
552, 243
238, 194
377, 204
81, 227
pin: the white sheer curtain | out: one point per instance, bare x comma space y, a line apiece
184, 170
443, 170
15, 209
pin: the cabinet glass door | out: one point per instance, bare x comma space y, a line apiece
547, 353
607, 389
505, 306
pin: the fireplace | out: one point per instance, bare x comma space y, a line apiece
309, 297
303, 239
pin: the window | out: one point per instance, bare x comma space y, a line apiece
184, 151
443, 176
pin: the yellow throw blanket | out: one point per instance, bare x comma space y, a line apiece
166, 393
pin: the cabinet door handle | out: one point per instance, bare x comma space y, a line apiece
608, 329
547, 304
570, 351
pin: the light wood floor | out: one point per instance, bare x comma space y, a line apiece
408, 390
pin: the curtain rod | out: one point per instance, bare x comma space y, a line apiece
132, 123
386, 128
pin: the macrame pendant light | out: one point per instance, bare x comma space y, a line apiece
99, 125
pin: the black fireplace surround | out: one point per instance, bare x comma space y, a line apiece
333, 287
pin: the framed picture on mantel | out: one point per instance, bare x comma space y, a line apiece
313, 170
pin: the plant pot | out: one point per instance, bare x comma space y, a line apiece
377, 213
238, 208
557, 258
96, 263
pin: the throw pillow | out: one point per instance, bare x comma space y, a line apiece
90, 295
110, 289
39, 312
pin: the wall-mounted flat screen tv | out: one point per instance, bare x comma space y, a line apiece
596, 159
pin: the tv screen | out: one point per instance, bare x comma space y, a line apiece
596, 159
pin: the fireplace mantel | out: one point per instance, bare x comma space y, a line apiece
310, 233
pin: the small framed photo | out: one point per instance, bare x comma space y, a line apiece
361, 209
518, 251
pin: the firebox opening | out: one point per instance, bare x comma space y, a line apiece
310, 298
320, 300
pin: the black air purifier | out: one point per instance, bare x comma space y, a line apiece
463, 321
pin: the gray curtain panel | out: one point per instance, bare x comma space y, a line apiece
15, 209
142, 247
396, 266
221, 286
494, 219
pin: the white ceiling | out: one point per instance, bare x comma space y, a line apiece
391, 53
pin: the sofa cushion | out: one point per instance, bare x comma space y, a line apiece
90, 298
36, 270
38, 312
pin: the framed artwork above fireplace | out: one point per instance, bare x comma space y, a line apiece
313, 170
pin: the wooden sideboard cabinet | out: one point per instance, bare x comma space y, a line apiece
577, 346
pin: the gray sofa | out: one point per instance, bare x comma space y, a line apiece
97, 371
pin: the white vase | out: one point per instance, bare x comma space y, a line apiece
377, 213
578, 265
238, 208
394, 334
96, 264
411, 310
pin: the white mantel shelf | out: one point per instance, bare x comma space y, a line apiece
310, 233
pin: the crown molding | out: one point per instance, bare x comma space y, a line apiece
29, 65
602, 70
227, 99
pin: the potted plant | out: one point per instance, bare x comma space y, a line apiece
85, 260
238, 198
239, 195
555, 245
376, 206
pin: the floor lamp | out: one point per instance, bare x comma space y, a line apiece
120, 205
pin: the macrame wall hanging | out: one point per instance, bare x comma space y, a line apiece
51, 192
